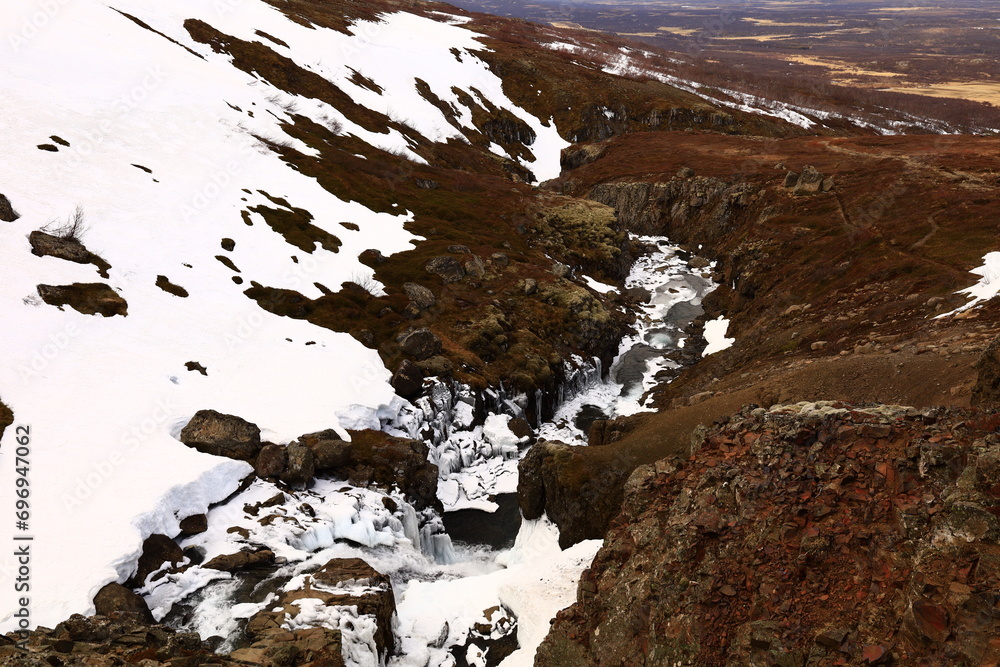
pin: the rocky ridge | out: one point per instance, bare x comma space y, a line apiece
807, 534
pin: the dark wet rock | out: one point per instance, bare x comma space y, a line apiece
550, 482
408, 380
420, 344
222, 435
115, 598
194, 525
86, 298
374, 458
242, 560
157, 550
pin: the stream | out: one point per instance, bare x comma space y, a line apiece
457, 595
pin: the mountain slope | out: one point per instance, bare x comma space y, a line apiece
222, 170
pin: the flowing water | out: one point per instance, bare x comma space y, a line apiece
442, 588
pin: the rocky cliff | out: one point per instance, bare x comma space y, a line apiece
807, 534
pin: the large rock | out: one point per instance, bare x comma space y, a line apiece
241, 560
374, 458
449, 268
115, 598
222, 435
301, 467
157, 550
329, 450
86, 298
271, 462
419, 295
408, 380
67, 248
554, 480
7, 212
986, 393
810, 182
420, 344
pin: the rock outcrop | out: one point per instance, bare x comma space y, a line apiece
808, 534
7, 212
115, 598
581, 503
340, 583
86, 298
67, 248
222, 435
986, 392
121, 638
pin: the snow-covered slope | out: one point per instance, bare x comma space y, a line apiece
165, 159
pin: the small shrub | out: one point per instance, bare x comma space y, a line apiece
72, 230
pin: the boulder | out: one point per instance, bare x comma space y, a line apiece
475, 267
419, 295
271, 461
408, 380
329, 450
7, 212
810, 182
156, 551
420, 343
222, 435
791, 178
449, 268
374, 458
115, 598
86, 298
241, 560
194, 525
301, 467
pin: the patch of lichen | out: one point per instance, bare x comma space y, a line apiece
582, 233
